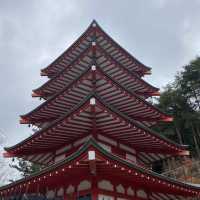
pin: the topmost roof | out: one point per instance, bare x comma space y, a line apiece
95, 33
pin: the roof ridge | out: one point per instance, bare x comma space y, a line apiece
87, 71
109, 37
142, 126
106, 105
64, 69
53, 123
131, 92
68, 49
92, 142
123, 49
130, 72
59, 92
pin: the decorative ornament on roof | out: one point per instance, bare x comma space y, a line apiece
91, 155
93, 68
92, 101
94, 24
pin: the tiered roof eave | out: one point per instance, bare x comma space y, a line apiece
96, 91
48, 104
108, 161
134, 133
149, 91
142, 69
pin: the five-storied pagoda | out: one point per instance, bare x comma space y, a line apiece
94, 137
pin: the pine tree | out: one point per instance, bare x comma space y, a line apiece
25, 168
181, 99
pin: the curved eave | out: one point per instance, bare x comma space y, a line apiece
47, 70
38, 92
172, 185
131, 72
26, 118
170, 146
154, 133
146, 69
47, 127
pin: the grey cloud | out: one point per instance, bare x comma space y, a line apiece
162, 34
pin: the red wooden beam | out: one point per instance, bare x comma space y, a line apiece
147, 72
35, 94
157, 93
183, 153
167, 119
24, 121
43, 73
8, 155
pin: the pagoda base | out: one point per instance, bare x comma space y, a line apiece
91, 188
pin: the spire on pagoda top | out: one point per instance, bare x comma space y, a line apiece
106, 42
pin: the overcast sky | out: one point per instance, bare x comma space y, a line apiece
163, 34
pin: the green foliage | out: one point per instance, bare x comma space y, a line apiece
181, 99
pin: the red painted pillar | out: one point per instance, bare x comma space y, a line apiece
115, 192
76, 192
64, 195
148, 195
94, 190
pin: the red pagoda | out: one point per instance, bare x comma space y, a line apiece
94, 137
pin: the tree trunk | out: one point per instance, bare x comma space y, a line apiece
198, 131
178, 134
195, 141
196, 97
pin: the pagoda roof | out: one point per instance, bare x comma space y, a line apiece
94, 31
86, 118
111, 67
120, 97
107, 165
